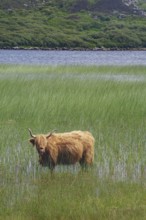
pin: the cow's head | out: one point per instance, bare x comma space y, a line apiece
40, 141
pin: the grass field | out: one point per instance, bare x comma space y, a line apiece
107, 101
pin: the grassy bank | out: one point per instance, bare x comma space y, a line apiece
57, 27
109, 102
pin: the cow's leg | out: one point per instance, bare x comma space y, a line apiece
86, 160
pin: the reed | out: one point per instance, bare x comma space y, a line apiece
109, 102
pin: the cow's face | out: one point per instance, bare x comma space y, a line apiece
40, 141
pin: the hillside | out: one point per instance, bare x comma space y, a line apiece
73, 24
130, 6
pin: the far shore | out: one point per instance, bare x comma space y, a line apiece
74, 49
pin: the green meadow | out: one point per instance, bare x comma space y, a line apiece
110, 102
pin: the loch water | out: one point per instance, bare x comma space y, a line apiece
64, 57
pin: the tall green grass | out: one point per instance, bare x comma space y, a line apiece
109, 102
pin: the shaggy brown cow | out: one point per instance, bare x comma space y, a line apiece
64, 148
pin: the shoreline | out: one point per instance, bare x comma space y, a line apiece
75, 49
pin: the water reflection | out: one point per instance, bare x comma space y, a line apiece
117, 169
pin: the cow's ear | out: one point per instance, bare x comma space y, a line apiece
32, 141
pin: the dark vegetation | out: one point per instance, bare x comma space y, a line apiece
72, 24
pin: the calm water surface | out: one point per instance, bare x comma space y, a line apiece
41, 57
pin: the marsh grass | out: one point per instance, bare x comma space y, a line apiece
109, 102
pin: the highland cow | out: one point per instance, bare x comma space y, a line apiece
64, 148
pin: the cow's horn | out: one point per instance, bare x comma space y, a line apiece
31, 134
48, 135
